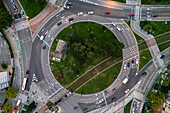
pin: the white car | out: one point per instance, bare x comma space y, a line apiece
127, 91
137, 61
113, 24
100, 101
124, 67
132, 111
138, 104
118, 29
42, 38
136, 73
90, 13
80, 13
66, 7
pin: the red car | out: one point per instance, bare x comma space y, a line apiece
131, 14
15, 108
107, 12
154, 15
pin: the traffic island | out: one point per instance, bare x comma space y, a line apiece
87, 47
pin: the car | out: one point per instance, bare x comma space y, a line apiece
114, 25
114, 89
19, 15
136, 73
127, 91
153, 15
132, 14
138, 104
128, 64
18, 111
14, 6
144, 73
15, 108
15, 16
12, 1
132, 61
76, 108
107, 12
42, 38
133, 110
100, 101
118, 29
59, 23
71, 19
162, 56
80, 13
106, 91
134, 104
44, 46
86, 110
124, 67
90, 13
114, 99
69, 3
66, 7
27, 72
137, 61
22, 12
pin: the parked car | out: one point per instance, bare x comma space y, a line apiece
128, 64
90, 13
114, 89
134, 104
27, 72
124, 67
100, 101
80, 13
86, 110
106, 91
137, 61
132, 61
132, 14
69, 3
12, 1
44, 46
22, 12
127, 91
144, 73
107, 12
162, 56
59, 23
66, 7
71, 19
138, 104
76, 108
19, 15
114, 99
15, 16
154, 15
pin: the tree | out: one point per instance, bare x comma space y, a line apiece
154, 99
5, 18
11, 92
31, 107
7, 107
4, 66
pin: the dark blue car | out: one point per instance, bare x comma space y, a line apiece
76, 108
59, 23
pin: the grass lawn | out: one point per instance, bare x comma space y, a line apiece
155, 2
162, 38
155, 27
145, 57
32, 7
101, 81
127, 107
164, 46
138, 38
142, 46
71, 64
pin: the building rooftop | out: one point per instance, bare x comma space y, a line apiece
4, 79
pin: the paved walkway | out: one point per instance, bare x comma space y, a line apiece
36, 21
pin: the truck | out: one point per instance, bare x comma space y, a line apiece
125, 80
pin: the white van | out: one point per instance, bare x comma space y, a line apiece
18, 103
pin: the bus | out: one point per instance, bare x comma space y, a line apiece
24, 83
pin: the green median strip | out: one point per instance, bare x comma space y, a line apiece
127, 107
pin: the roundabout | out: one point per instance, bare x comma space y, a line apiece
97, 50
54, 91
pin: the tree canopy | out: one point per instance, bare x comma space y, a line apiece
7, 107
11, 92
5, 17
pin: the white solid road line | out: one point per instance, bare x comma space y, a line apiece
104, 98
55, 92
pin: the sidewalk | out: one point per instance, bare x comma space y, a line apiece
36, 21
